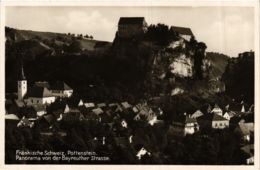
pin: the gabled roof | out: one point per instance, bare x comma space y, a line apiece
126, 105
182, 30
197, 114
213, 117
131, 20
42, 84
101, 105
38, 92
217, 117
87, 105
59, 85
97, 111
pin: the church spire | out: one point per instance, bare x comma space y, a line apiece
21, 73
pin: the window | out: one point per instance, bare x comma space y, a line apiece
24, 82
37, 101
32, 100
220, 124
19, 85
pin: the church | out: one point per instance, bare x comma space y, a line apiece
41, 93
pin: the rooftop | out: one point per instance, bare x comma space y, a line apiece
59, 85
182, 30
37, 91
131, 20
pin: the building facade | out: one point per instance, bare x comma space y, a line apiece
131, 26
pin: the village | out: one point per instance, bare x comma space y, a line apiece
53, 111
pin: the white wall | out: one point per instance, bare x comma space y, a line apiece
60, 93
220, 124
21, 89
36, 100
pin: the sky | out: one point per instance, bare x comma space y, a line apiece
227, 30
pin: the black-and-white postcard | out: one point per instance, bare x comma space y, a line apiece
130, 83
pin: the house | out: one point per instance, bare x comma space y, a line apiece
229, 114
245, 131
126, 105
101, 105
142, 152
81, 103
97, 111
73, 115
129, 27
183, 32
89, 105
217, 110
61, 89
144, 111
196, 114
213, 120
91, 116
183, 125
39, 96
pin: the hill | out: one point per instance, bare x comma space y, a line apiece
218, 63
32, 43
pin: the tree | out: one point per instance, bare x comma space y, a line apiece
161, 34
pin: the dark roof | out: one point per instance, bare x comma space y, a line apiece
212, 117
182, 30
42, 84
21, 75
131, 20
37, 91
59, 85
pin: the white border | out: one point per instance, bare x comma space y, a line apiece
194, 3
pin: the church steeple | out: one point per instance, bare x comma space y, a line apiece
21, 75
22, 84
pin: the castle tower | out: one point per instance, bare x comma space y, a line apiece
22, 84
